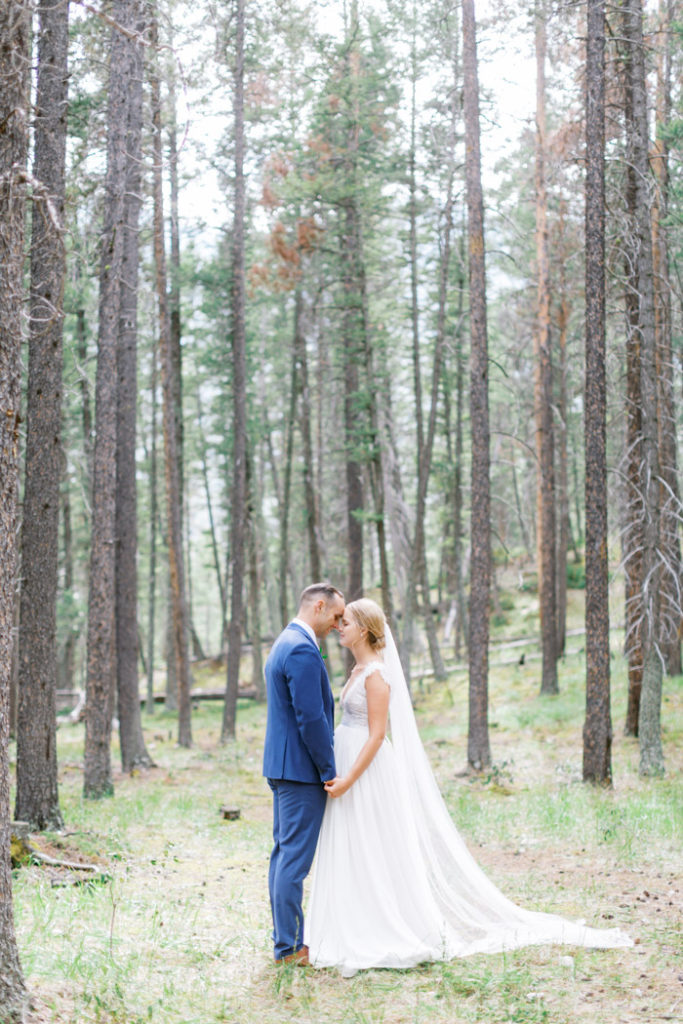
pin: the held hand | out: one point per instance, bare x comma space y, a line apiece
337, 787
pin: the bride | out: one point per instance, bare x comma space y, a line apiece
393, 882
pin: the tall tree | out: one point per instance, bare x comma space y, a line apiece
419, 574
312, 510
410, 601
101, 650
133, 751
353, 325
543, 386
597, 730
179, 631
672, 576
478, 748
632, 540
37, 798
172, 679
15, 64
649, 717
238, 519
153, 502
563, 526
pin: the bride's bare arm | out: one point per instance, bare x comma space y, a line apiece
377, 691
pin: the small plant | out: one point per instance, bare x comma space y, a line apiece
576, 576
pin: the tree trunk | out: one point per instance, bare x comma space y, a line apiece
312, 519
65, 667
287, 478
152, 585
179, 617
37, 798
632, 540
238, 531
419, 570
84, 382
176, 391
15, 63
133, 751
672, 578
171, 694
101, 657
410, 601
649, 717
478, 749
254, 585
374, 447
352, 348
353, 326
461, 624
212, 526
562, 458
543, 389
397, 511
597, 730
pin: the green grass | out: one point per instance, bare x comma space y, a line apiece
180, 934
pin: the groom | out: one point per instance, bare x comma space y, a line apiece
298, 758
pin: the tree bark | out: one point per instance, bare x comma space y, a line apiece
284, 557
562, 457
410, 602
672, 577
478, 749
179, 618
312, 517
632, 540
212, 527
543, 389
133, 750
352, 347
65, 667
15, 63
425, 443
649, 716
254, 585
37, 798
101, 655
238, 525
152, 583
461, 624
597, 730
375, 454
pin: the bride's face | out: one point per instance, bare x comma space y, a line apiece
349, 631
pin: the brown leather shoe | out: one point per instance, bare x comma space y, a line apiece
299, 958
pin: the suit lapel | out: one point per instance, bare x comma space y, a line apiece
305, 633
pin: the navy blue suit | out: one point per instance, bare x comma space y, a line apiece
298, 757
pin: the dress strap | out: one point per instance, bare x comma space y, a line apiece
373, 666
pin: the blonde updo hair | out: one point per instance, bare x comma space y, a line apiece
369, 616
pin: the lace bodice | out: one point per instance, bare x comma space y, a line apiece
354, 701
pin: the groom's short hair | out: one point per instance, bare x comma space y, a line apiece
315, 591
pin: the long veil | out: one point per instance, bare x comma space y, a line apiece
477, 917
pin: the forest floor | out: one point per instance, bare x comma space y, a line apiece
173, 926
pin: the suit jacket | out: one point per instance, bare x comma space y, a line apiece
300, 723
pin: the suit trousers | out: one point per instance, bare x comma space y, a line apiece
298, 809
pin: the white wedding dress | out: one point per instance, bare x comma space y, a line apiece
393, 883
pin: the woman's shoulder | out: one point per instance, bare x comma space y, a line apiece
375, 667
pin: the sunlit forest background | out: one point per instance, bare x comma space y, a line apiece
276, 359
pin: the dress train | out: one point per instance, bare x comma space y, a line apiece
393, 883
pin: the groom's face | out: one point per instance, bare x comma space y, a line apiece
329, 616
